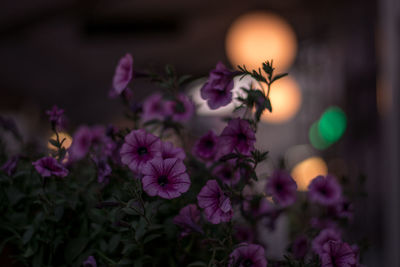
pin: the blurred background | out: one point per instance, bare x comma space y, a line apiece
337, 111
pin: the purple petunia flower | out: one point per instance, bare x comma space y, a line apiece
338, 254
8, 124
49, 166
244, 233
258, 207
218, 89
10, 166
323, 237
154, 108
325, 190
180, 109
227, 173
217, 206
206, 147
81, 143
55, 116
248, 255
139, 148
300, 247
237, 135
282, 187
343, 209
322, 223
168, 151
90, 262
103, 169
188, 219
123, 73
166, 178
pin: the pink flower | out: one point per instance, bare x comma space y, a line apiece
166, 178
90, 262
48, 166
188, 219
323, 237
325, 190
206, 147
248, 255
81, 143
92, 139
227, 173
168, 151
237, 136
344, 209
217, 206
258, 207
154, 108
282, 187
338, 254
218, 89
10, 166
103, 169
139, 148
244, 233
180, 109
300, 247
123, 73
55, 116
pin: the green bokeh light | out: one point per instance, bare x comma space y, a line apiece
328, 129
316, 139
332, 124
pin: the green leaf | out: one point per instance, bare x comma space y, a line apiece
129, 248
129, 211
197, 263
277, 77
114, 242
140, 229
28, 235
54, 143
126, 261
229, 156
28, 252
74, 248
183, 79
150, 238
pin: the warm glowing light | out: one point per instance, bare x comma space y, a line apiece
285, 99
259, 36
67, 143
307, 170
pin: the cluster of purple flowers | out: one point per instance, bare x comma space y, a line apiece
180, 109
159, 163
228, 157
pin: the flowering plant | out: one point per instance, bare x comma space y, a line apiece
150, 195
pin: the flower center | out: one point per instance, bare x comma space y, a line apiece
241, 137
179, 107
142, 151
247, 263
162, 180
279, 187
324, 191
227, 174
209, 144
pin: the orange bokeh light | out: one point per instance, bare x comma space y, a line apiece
307, 170
259, 36
285, 99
